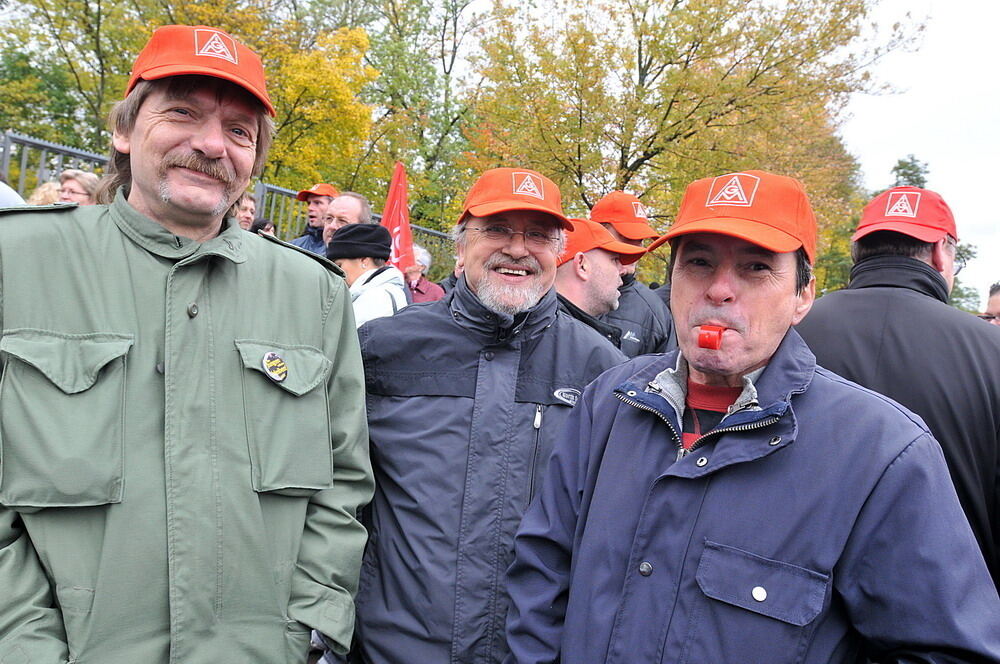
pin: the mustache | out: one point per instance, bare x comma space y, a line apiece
196, 162
497, 259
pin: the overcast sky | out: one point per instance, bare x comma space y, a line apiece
947, 113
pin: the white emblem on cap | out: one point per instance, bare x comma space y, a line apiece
639, 210
902, 204
737, 189
215, 44
528, 184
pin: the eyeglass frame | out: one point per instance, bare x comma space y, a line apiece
71, 192
531, 238
959, 262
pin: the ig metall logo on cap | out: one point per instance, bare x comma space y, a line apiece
736, 189
902, 204
639, 210
274, 366
215, 44
528, 184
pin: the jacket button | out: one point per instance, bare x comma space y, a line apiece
645, 568
630, 393
759, 593
489, 355
701, 462
192, 310
774, 441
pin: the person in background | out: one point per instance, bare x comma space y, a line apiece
642, 317
184, 438
46, 193
262, 227
362, 252
347, 208
732, 501
76, 186
465, 396
893, 331
246, 208
992, 313
421, 289
9, 197
318, 198
590, 273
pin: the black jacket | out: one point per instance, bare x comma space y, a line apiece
644, 319
606, 330
892, 331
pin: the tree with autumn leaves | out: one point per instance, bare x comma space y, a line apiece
640, 95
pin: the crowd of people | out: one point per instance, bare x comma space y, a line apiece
219, 447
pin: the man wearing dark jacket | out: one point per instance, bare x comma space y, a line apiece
642, 317
318, 198
589, 274
892, 331
733, 502
465, 396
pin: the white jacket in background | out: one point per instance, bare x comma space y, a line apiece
376, 293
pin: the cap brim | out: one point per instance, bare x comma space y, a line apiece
628, 253
164, 71
486, 209
632, 230
753, 232
922, 233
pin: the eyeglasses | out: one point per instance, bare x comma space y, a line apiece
72, 192
498, 233
960, 260
989, 317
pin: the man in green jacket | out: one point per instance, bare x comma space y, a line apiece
183, 447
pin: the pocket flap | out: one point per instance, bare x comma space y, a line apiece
71, 361
772, 588
295, 369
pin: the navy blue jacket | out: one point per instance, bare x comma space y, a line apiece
463, 409
820, 527
643, 318
311, 240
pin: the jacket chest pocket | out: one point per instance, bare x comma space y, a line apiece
754, 609
287, 413
62, 411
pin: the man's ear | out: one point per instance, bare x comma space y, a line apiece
939, 255
121, 142
804, 301
581, 266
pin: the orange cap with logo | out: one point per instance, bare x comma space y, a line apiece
919, 213
502, 189
771, 211
318, 189
587, 235
626, 213
176, 50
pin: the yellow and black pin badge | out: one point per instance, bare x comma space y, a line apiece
274, 366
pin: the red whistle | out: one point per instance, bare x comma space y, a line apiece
710, 336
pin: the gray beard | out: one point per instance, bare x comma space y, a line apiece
509, 300
221, 207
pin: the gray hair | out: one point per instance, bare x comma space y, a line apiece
422, 256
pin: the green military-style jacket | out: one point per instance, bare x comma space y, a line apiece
183, 446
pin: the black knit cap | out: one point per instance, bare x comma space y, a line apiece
360, 241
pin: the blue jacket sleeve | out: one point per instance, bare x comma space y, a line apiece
538, 579
912, 575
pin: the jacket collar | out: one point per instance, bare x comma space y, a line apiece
157, 240
496, 327
899, 272
606, 330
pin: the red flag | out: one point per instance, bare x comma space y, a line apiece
396, 217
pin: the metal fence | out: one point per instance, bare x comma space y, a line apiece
26, 162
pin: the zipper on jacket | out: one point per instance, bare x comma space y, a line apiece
681, 452
537, 424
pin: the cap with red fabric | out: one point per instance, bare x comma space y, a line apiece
176, 50
625, 213
318, 189
771, 211
502, 189
587, 235
919, 213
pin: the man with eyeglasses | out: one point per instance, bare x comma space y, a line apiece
992, 313
465, 396
892, 331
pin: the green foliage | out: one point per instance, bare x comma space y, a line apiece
910, 172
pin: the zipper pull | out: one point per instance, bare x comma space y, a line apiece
681, 453
538, 416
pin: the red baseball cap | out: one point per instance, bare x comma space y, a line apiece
919, 213
771, 211
587, 235
176, 50
503, 189
318, 189
626, 213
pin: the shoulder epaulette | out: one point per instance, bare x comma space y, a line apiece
323, 260
52, 207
